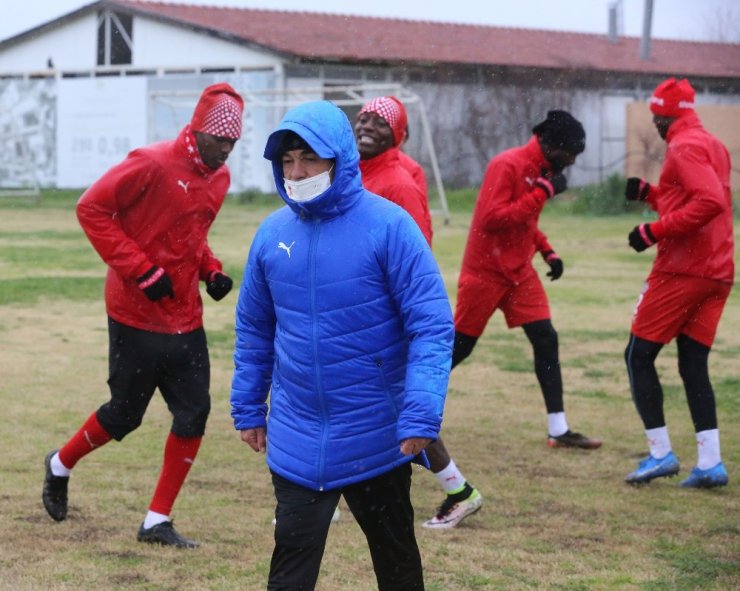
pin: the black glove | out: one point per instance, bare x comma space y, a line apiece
556, 264
219, 285
156, 284
641, 237
552, 184
636, 189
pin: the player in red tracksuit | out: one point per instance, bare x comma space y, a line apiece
415, 169
148, 218
497, 273
380, 128
689, 284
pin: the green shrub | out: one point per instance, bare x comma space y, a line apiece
603, 199
257, 197
461, 199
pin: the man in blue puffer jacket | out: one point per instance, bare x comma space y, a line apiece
344, 320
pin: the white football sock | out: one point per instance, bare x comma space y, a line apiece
451, 479
152, 518
659, 442
707, 445
57, 468
556, 424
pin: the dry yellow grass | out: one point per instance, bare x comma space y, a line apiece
552, 519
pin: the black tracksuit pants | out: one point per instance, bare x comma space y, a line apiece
381, 506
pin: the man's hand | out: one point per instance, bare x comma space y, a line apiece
156, 284
636, 189
641, 237
552, 184
414, 445
255, 438
555, 263
218, 285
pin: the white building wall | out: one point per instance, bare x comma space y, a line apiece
99, 120
603, 116
73, 47
70, 47
157, 45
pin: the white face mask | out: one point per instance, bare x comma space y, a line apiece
307, 189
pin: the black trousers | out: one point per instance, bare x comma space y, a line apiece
544, 339
141, 361
647, 392
381, 506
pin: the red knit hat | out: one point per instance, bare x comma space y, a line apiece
393, 111
672, 98
219, 112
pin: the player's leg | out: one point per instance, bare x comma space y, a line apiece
462, 348
476, 302
382, 507
544, 340
694, 345
302, 520
132, 381
184, 380
656, 320
526, 305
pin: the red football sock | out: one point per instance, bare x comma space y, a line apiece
89, 437
179, 455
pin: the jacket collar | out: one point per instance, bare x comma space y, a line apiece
381, 161
533, 151
688, 121
187, 147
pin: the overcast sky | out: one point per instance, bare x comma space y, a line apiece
702, 20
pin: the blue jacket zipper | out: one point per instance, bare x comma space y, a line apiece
315, 345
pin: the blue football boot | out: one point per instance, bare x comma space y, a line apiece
651, 467
716, 476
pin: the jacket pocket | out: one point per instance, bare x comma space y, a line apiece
384, 385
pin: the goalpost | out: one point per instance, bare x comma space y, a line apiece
264, 107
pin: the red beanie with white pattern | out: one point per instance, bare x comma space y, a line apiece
219, 112
392, 110
672, 98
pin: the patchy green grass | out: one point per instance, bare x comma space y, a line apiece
551, 520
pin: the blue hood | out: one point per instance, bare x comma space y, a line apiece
325, 127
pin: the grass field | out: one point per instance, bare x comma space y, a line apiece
552, 519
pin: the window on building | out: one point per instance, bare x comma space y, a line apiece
115, 38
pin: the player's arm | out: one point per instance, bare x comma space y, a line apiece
99, 213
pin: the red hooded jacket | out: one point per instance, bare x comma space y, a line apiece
503, 235
694, 202
415, 170
385, 176
155, 208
